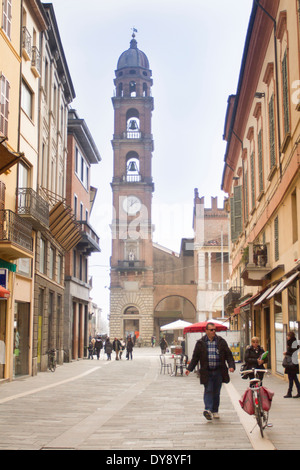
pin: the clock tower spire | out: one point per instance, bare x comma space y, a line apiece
131, 285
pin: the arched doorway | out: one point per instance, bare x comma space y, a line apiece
169, 309
131, 322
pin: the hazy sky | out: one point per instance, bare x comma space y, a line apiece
195, 50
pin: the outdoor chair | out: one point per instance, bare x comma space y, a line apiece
165, 365
181, 363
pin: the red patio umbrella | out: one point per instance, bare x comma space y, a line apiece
201, 326
4, 293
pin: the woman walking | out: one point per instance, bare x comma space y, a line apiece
293, 369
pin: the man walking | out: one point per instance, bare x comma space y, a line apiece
213, 353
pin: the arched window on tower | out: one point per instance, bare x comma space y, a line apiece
132, 124
132, 89
132, 167
145, 89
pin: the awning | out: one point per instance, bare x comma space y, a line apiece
289, 281
247, 302
4, 293
264, 295
284, 284
7, 158
64, 227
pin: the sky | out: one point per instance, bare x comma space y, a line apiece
195, 50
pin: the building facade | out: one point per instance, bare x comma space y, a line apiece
80, 196
37, 227
261, 179
211, 257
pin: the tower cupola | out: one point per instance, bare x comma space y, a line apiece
133, 74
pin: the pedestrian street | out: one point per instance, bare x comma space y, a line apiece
130, 405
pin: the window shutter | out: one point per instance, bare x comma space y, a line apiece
272, 132
276, 239
260, 163
285, 94
238, 223
252, 180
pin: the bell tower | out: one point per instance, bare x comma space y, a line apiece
131, 283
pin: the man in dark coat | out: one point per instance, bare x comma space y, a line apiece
98, 346
213, 353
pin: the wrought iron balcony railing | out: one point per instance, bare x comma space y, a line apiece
33, 207
15, 230
36, 61
232, 296
26, 43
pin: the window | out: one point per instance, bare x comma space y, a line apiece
252, 180
4, 105
6, 18
46, 78
23, 176
260, 163
27, 100
76, 160
74, 263
294, 217
276, 239
51, 263
42, 256
75, 206
59, 268
286, 113
236, 212
272, 133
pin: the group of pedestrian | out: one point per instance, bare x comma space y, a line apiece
216, 359
108, 346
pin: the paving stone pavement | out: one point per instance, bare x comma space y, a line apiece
130, 405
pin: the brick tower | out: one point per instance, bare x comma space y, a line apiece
131, 284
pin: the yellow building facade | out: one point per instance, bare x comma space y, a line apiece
261, 179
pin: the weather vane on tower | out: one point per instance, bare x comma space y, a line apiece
134, 30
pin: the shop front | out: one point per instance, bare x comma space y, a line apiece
21, 339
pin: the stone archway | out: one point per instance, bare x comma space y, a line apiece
171, 307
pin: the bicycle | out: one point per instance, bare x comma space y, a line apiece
52, 359
259, 393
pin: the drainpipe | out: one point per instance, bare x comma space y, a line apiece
277, 90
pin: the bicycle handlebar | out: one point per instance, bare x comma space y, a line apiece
251, 371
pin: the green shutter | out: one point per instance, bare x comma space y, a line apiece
260, 163
272, 132
238, 222
252, 180
246, 196
276, 239
285, 94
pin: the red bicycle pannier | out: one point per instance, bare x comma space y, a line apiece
266, 397
246, 402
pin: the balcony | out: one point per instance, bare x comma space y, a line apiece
26, 43
15, 236
34, 208
256, 258
36, 62
232, 297
131, 265
90, 242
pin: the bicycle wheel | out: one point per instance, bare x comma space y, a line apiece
259, 413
